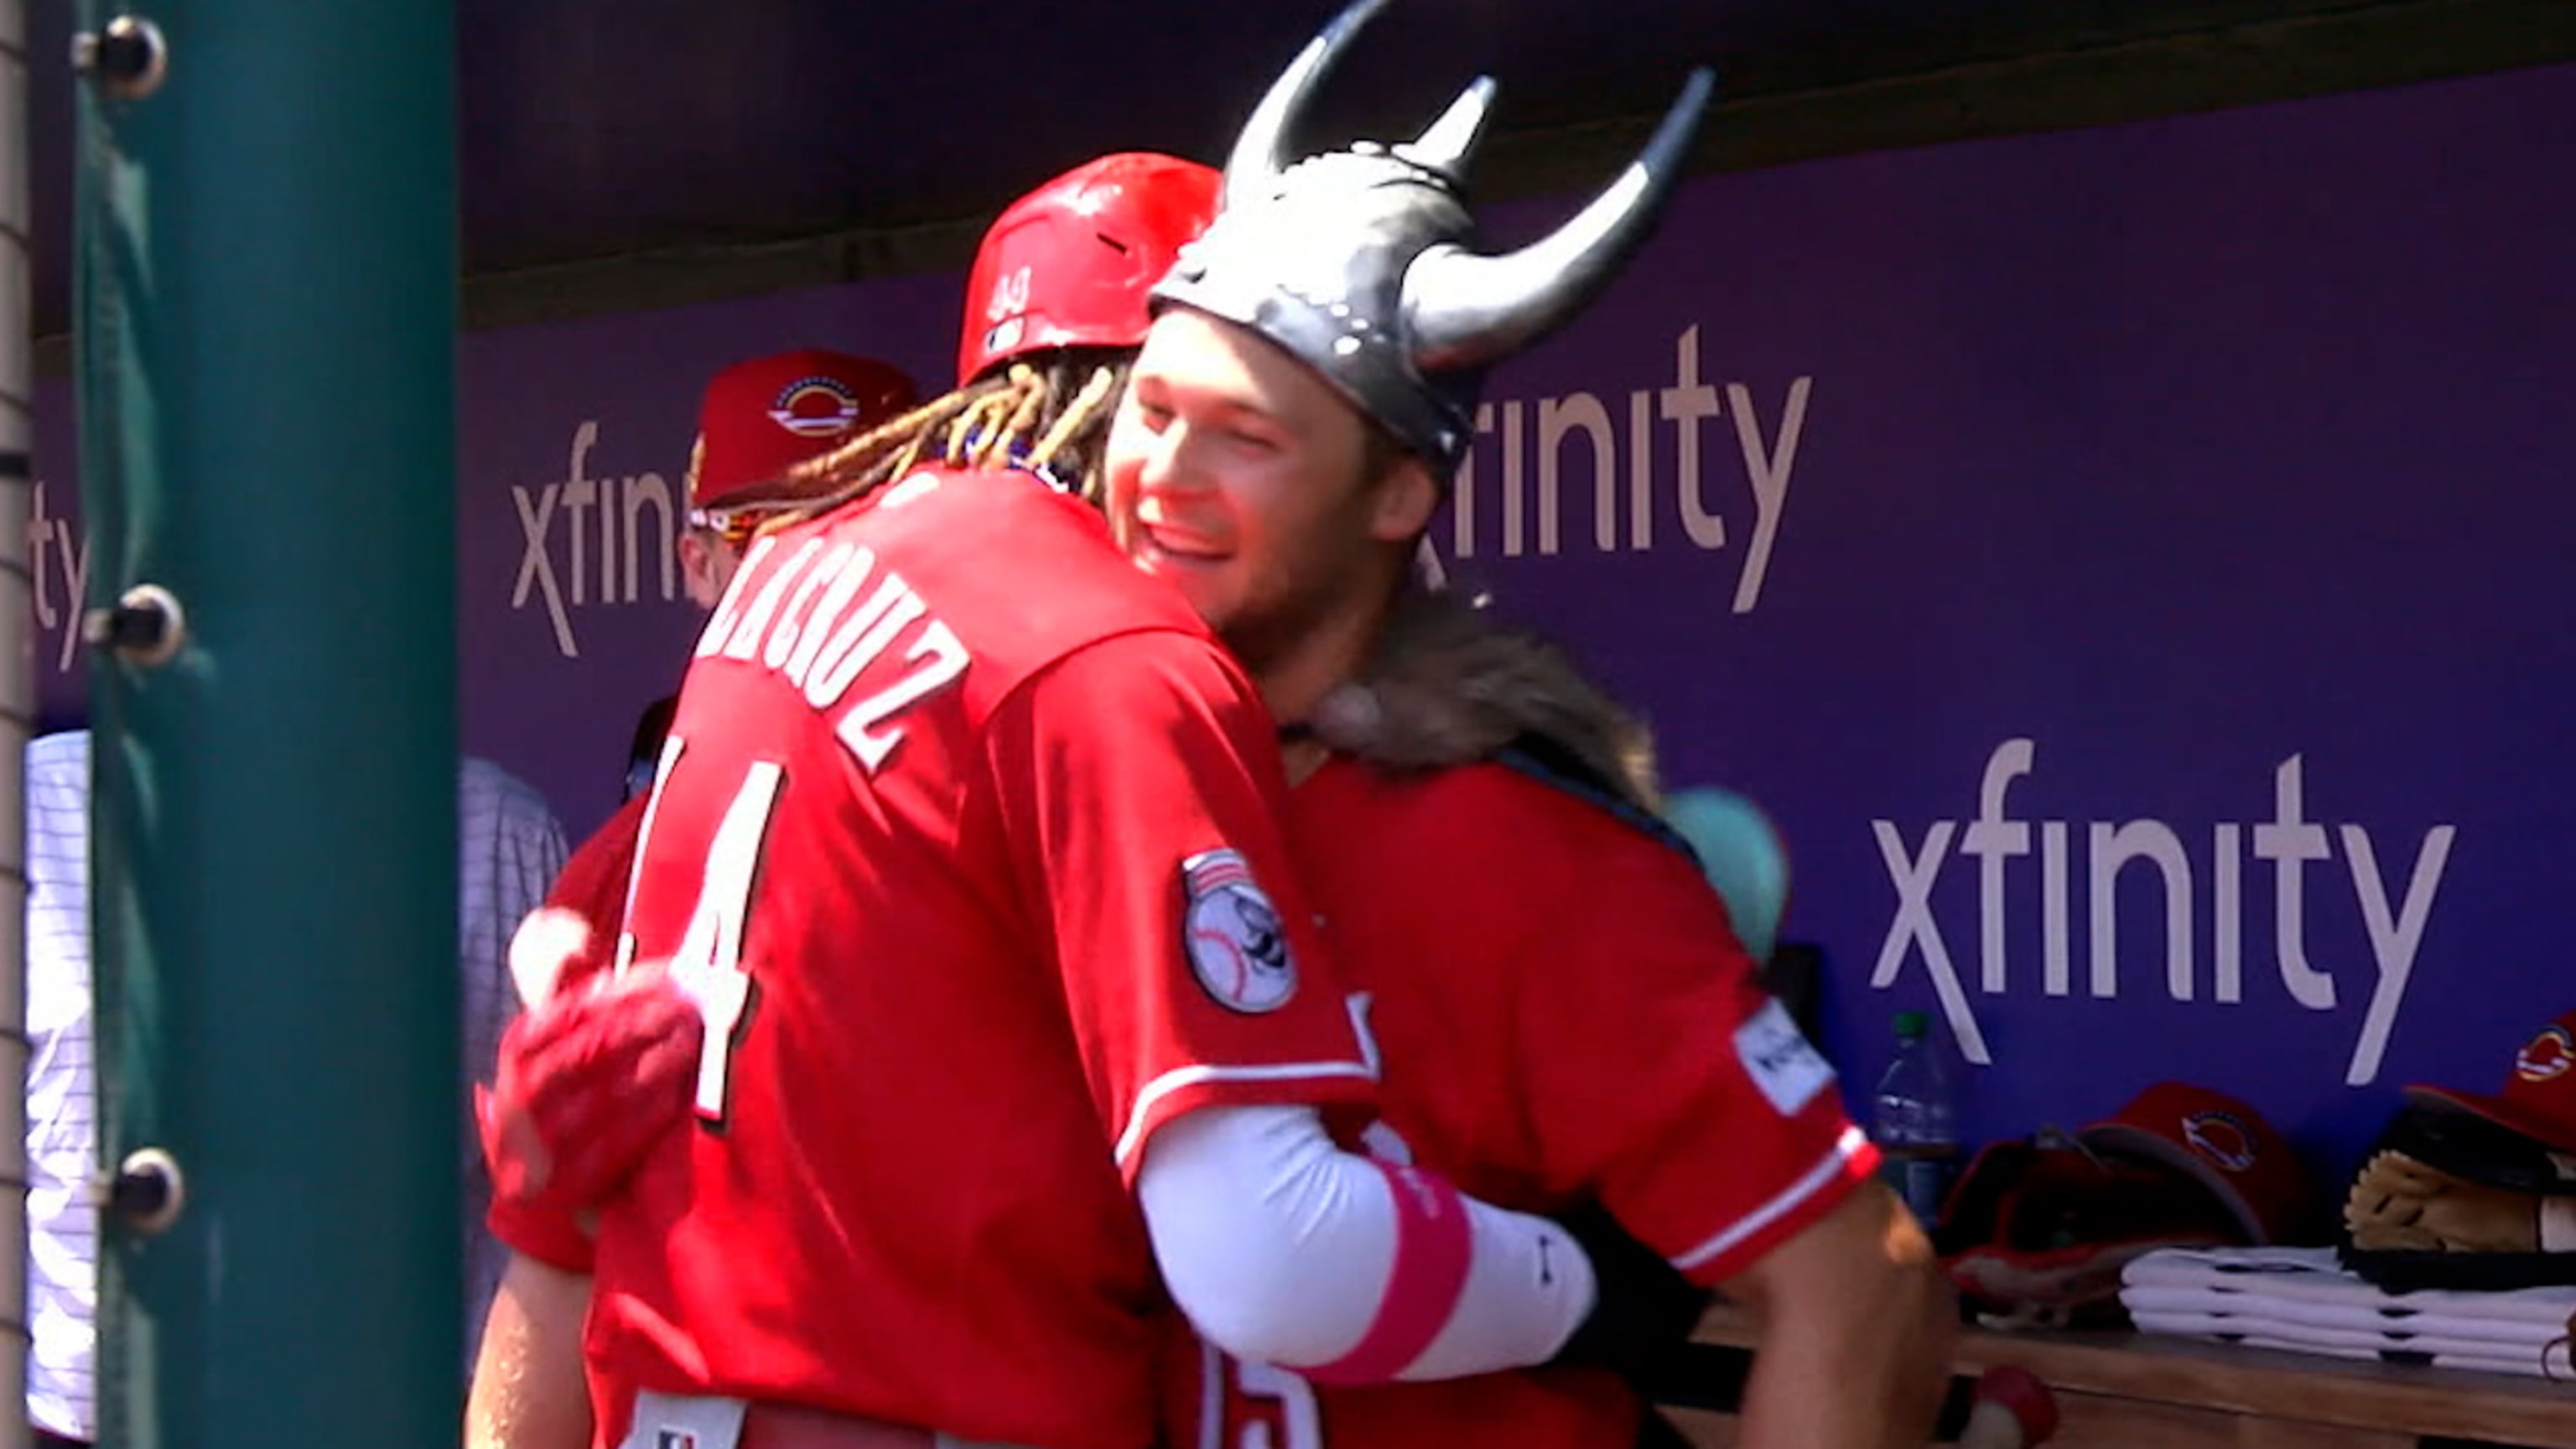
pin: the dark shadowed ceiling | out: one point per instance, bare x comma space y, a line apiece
595, 128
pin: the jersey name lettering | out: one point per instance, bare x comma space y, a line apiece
820, 620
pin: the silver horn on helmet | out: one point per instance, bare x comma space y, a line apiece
1364, 264
1464, 310
1446, 143
1261, 149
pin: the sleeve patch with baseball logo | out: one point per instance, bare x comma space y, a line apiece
1780, 1059
1232, 935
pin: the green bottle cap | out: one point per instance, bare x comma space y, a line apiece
1912, 1024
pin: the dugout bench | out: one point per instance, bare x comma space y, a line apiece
2140, 1391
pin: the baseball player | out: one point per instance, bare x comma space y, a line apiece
1564, 1014
757, 419
964, 849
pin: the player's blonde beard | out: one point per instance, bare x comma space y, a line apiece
1320, 602
1324, 605
1051, 415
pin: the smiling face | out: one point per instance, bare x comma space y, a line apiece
1241, 477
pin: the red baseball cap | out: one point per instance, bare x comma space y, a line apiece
2539, 1096
2224, 1145
763, 416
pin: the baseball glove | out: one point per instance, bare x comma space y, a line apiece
2446, 1199
2399, 1204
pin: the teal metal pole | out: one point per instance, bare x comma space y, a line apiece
265, 344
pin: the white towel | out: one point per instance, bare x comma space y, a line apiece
2311, 1275
2384, 1320
2249, 1326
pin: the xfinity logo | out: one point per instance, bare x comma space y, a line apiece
1664, 468
2208, 870
57, 578
585, 541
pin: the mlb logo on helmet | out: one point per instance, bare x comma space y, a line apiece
1232, 935
1005, 335
2539, 1096
1007, 310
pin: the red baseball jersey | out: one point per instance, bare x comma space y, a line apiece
1563, 1013
968, 841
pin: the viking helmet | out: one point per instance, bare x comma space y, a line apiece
1363, 263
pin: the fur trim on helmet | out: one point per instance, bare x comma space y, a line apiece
1453, 685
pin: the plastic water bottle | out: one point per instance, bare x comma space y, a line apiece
1915, 1119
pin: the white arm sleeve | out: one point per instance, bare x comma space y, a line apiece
1280, 1247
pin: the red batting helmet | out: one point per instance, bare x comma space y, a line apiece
1068, 265
761, 417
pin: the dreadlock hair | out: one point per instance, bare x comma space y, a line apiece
1050, 414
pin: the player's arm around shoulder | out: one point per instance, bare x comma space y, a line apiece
1663, 1079
1139, 789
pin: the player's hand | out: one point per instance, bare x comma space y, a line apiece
1646, 1309
589, 1077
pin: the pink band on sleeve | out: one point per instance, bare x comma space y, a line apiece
1433, 1243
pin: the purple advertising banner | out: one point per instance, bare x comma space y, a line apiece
2135, 566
